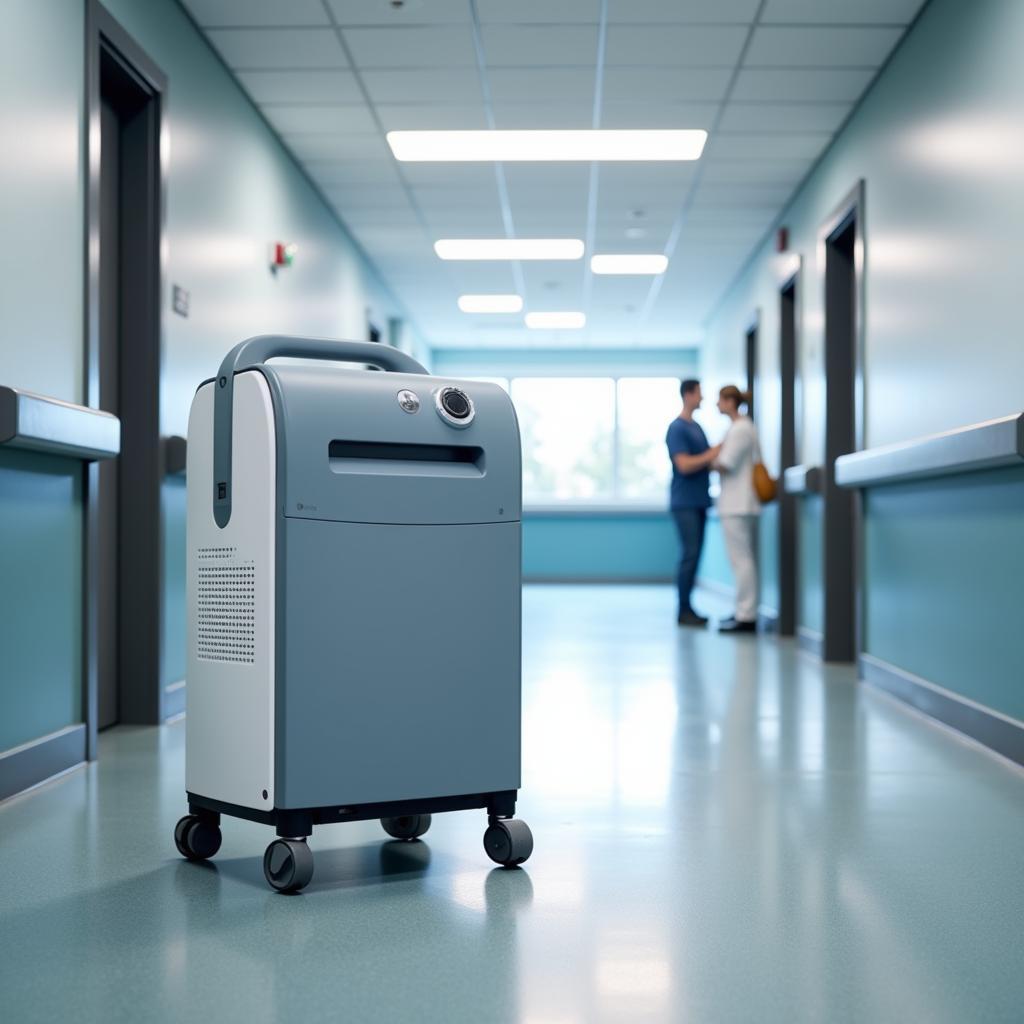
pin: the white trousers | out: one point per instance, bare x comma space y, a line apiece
740, 534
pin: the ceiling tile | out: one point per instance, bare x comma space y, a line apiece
541, 84
820, 85
209, 13
577, 114
421, 47
824, 12
448, 196
539, 11
290, 119
337, 147
615, 114
472, 175
380, 12
351, 196
770, 172
429, 116
665, 84
264, 48
327, 173
788, 117
429, 85
301, 86
675, 45
767, 146
682, 11
540, 45
821, 47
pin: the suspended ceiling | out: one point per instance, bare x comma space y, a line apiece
770, 80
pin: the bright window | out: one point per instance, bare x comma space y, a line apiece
646, 406
593, 439
568, 431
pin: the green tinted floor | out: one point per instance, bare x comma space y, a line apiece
724, 832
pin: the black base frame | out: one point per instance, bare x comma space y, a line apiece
293, 823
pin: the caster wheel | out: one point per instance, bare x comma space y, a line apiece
196, 839
407, 826
508, 841
288, 864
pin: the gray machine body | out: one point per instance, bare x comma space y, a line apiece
396, 590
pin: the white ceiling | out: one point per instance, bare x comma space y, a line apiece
771, 81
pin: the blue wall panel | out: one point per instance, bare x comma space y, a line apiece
958, 540
40, 595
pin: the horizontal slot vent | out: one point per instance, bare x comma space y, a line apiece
386, 458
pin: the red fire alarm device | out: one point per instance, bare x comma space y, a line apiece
282, 254
782, 240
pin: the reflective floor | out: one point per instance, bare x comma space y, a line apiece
724, 832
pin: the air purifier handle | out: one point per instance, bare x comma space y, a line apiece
258, 350
255, 352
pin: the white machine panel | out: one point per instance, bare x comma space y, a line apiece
230, 676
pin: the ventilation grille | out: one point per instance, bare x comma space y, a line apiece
225, 606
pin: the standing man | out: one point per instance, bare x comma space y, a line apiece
691, 460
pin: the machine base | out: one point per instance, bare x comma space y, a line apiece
288, 861
299, 822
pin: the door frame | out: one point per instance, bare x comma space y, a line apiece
141, 699
751, 358
838, 546
789, 276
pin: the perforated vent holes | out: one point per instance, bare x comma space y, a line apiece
225, 606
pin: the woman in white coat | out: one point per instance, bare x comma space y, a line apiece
739, 506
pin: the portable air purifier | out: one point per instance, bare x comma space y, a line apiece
353, 600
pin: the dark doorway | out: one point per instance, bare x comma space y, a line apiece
123, 359
842, 428
788, 503
751, 360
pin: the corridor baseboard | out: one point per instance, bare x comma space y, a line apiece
714, 587
998, 732
810, 640
26, 766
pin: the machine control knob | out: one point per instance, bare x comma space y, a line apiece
454, 406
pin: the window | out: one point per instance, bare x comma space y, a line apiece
567, 426
594, 439
646, 406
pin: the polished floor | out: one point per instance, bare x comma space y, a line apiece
725, 831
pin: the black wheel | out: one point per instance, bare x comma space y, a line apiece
288, 864
406, 826
508, 842
196, 839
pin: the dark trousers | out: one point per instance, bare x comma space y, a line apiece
690, 524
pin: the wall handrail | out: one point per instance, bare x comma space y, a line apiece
802, 480
979, 446
42, 424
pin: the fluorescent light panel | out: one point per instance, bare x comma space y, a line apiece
629, 263
583, 144
556, 321
509, 248
490, 303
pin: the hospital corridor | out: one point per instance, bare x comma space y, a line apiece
511, 511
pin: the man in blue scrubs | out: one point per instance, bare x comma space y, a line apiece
691, 460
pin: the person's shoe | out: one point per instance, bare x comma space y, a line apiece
691, 619
729, 621
736, 626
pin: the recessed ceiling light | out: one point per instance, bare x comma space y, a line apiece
629, 263
509, 248
581, 144
556, 321
490, 303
